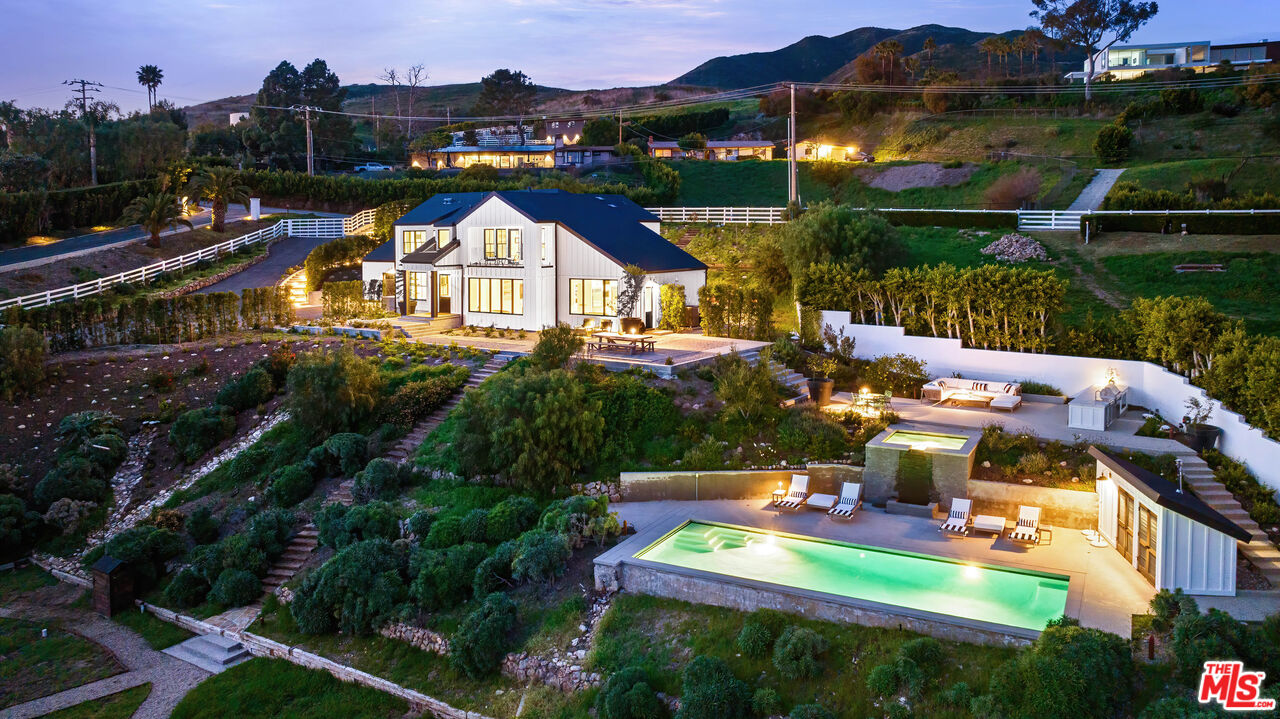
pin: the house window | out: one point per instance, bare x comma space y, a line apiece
503, 250
413, 239
546, 245
443, 281
443, 237
593, 297
419, 286
514, 238
495, 295
502, 243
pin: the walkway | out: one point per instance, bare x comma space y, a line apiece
406, 447
282, 255
1095, 192
170, 678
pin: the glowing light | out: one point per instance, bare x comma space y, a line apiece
971, 572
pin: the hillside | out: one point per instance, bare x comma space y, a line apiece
808, 60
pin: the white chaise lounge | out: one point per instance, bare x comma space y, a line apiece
850, 500
1028, 526
821, 501
999, 395
957, 521
798, 494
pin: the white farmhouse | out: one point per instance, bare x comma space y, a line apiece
528, 259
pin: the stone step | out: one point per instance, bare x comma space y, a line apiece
211, 652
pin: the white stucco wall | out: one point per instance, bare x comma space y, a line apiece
1149, 385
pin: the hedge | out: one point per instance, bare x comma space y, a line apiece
334, 254
23, 214
936, 218
1172, 222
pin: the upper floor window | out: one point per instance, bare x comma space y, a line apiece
502, 243
413, 240
547, 249
443, 236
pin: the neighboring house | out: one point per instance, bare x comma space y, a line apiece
528, 259
236, 118
557, 155
716, 150
585, 155
1124, 62
568, 131
818, 150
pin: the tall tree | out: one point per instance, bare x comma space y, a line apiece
990, 46
1035, 41
279, 136
150, 77
221, 186
414, 78
505, 92
1088, 23
930, 46
888, 52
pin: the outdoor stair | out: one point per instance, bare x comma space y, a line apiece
342, 495
409, 444
683, 240
1197, 476
213, 653
296, 553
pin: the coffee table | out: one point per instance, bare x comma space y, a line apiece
972, 399
989, 523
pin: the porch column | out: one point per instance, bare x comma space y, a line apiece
402, 295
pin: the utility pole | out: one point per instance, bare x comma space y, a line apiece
311, 156
87, 87
619, 127
377, 124
793, 189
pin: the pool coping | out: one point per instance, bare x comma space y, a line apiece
970, 444
624, 553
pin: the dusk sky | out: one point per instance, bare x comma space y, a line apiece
214, 49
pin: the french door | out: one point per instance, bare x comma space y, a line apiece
1147, 544
1124, 524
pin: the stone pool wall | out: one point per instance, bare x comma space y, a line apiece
743, 484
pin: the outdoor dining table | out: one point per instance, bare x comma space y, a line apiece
607, 341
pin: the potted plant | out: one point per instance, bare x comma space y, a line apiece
1200, 434
821, 385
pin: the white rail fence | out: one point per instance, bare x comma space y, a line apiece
321, 228
1027, 219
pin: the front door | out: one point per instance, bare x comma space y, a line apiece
1124, 524
648, 306
1147, 544
444, 301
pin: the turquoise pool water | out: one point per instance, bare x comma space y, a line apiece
926, 440
991, 594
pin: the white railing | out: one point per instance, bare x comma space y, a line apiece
323, 228
721, 215
1050, 219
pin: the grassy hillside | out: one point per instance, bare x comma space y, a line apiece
1242, 176
808, 60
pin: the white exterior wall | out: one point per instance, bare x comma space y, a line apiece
494, 213
1150, 385
373, 271
577, 260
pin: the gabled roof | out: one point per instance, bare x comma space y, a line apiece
610, 223
430, 256
1165, 493
386, 252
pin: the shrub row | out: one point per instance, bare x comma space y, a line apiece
230, 572
1173, 222
936, 218
23, 214
334, 254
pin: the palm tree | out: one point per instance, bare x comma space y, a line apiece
990, 46
221, 186
887, 50
1034, 40
150, 76
155, 212
930, 45
911, 64
1003, 48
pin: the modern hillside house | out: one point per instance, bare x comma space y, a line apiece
527, 259
1125, 62
715, 150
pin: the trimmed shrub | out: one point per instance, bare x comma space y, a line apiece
186, 589
235, 588
247, 466
357, 591
766, 702
712, 692
1112, 143
199, 430
22, 354
380, 478
796, 653
418, 399
333, 391
1068, 672
510, 517
17, 526
444, 577
494, 572
291, 485
755, 639
481, 641
419, 523
882, 680
247, 391
345, 454
238, 552
474, 525
959, 695
444, 532
146, 549
810, 711
65, 481
271, 530
626, 694
341, 526
540, 557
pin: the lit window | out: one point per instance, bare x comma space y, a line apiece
488, 244
516, 252
413, 239
502, 250
443, 237
593, 297
546, 245
494, 295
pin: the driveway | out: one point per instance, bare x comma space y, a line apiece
1095, 192
283, 254
34, 255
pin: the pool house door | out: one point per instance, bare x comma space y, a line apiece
1124, 525
1146, 563
647, 305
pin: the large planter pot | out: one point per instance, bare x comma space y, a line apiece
1203, 436
820, 391
631, 325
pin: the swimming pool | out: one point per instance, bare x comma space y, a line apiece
926, 440
998, 595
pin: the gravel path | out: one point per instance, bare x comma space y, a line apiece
170, 678
1095, 192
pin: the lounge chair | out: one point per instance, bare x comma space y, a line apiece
958, 520
798, 494
850, 500
1028, 526
821, 502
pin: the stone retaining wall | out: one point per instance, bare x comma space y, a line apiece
214, 279
730, 484
1066, 508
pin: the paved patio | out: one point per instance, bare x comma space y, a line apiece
683, 349
1104, 591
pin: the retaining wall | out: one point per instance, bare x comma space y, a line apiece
731, 484
1065, 508
1149, 385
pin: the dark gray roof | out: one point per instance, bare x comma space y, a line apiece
1165, 493
610, 223
430, 256
107, 564
386, 252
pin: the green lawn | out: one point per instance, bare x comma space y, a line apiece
1256, 175
275, 688
158, 633
13, 583
664, 635
32, 667
120, 705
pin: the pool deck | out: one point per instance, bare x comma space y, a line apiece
1104, 591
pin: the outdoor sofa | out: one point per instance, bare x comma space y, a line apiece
997, 395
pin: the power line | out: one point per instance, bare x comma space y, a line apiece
86, 87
